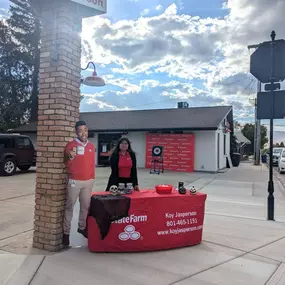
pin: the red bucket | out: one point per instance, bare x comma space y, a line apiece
163, 188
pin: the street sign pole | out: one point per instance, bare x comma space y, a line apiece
267, 64
270, 198
258, 130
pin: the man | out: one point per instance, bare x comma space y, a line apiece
80, 163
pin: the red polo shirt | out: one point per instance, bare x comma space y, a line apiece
125, 165
82, 167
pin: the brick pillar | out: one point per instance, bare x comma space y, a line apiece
59, 99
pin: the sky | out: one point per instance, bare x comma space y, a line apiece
155, 53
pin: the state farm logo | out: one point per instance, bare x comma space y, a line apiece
132, 219
129, 233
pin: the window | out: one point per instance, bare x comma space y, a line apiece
5, 143
225, 144
23, 143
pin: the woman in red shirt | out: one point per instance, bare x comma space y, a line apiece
123, 165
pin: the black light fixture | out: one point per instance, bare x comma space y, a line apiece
94, 80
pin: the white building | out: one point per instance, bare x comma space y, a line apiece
208, 125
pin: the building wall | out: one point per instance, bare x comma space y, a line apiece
206, 154
205, 151
178, 149
138, 141
223, 149
94, 140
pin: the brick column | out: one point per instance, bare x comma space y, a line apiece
59, 99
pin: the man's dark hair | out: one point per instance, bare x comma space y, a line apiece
80, 123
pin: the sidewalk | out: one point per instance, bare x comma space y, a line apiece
239, 246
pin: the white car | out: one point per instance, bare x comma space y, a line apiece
276, 155
281, 162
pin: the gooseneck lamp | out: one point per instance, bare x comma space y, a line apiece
93, 80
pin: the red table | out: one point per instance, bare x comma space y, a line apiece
155, 222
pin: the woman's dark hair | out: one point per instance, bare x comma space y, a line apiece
116, 150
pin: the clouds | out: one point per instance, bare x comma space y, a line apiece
207, 58
4, 13
167, 41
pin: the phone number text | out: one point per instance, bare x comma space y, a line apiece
183, 222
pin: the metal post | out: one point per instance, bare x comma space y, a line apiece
255, 130
258, 131
270, 199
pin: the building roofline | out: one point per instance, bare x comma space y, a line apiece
158, 109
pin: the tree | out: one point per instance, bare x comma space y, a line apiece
19, 66
26, 29
248, 132
281, 144
237, 125
14, 82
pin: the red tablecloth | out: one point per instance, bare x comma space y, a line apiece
155, 222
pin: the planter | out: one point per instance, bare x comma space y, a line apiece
235, 159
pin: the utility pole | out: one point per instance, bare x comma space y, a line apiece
257, 135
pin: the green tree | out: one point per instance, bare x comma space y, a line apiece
248, 132
19, 66
26, 29
281, 144
14, 86
237, 125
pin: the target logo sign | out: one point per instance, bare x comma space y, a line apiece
157, 150
129, 233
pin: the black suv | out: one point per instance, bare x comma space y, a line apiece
16, 151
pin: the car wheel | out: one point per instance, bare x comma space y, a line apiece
24, 167
9, 167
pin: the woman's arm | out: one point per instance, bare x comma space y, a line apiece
134, 172
113, 179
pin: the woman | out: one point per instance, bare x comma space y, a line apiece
123, 165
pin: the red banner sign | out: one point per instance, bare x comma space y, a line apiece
178, 151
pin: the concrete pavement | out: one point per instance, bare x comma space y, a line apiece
239, 246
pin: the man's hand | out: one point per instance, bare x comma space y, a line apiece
72, 153
137, 188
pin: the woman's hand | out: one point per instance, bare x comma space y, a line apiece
137, 188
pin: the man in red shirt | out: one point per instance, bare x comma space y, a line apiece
80, 163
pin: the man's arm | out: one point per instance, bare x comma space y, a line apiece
69, 154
